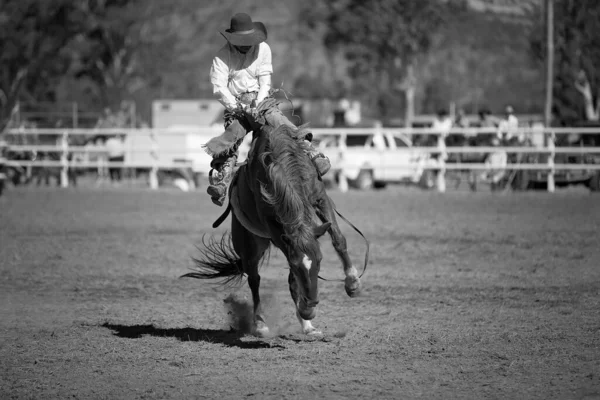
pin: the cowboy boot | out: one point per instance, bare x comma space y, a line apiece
319, 159
219, 181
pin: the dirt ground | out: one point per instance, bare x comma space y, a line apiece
470, 296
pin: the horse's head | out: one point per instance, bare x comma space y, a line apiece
305, 270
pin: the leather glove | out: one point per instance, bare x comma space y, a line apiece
251, 109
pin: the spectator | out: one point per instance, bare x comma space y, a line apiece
101, 158
486, 120
537, 134
106, 121
460, 139
508, 128
442, 124
88, 152
115, 148
339, 113
122, 118
461, 120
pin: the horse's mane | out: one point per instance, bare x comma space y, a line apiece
290, 171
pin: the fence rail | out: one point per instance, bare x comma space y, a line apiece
549, 150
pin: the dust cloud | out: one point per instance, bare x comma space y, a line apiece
240, 316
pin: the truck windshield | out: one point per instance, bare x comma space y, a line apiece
400, 142
356, 140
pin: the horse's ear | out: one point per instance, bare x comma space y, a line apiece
320, 230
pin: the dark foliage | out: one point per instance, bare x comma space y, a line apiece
577, 55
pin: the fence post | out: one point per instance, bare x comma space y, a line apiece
441, 175
75, 112
343, 180
551, 147
154, 157
64, 160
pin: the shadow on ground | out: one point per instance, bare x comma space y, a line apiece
230, 338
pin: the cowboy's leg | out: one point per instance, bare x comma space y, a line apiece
276, 118
223, 165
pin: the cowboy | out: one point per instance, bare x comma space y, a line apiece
241, 78
508, 128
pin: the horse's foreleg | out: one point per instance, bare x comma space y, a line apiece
326, 212
251, 248
307, 326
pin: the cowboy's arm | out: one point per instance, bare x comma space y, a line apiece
219, 73
264, 86
264, 73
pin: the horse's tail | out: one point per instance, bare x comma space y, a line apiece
218, 260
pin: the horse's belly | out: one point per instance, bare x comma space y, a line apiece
244, 209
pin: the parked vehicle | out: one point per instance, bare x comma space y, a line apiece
584, 176
375, 159
539, 179
10, 171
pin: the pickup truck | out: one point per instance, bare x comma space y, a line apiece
589, 178
372, 160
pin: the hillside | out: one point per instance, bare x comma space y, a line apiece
481, 58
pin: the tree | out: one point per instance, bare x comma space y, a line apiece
577, 59
126, 47
383, 41
33, 35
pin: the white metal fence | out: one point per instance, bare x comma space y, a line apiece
160, 149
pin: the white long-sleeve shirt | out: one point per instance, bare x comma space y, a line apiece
233, 73
509, 127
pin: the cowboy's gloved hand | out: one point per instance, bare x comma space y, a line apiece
253, 110
237, 109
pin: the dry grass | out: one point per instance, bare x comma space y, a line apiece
467, 296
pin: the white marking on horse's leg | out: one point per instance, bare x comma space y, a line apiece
260, 327
352, 282
262, 330
307, 262
307, 326
352, 271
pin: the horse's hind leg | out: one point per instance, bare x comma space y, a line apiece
325, 211
251, 249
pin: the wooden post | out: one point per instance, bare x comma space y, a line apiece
154, 155
549, 137
64, 160
17, 114
549, 61
441, 175
75, 116
343, 180
551, 183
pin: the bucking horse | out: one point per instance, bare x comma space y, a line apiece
277, 198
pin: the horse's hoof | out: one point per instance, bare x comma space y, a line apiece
352, 286
261, 330
313, 332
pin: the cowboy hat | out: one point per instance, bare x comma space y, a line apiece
244, 32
